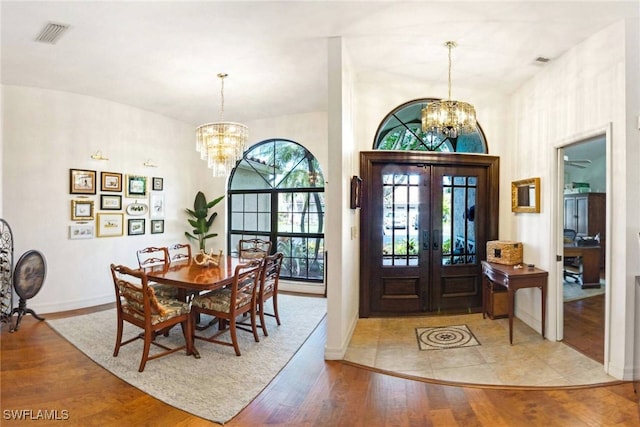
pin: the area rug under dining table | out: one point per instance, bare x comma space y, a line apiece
219, 384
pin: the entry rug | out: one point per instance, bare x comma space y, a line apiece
219, 384
444, 337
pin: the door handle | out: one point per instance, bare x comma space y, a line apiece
436, 240
425, 240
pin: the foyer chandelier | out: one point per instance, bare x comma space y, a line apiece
221, 143
450, 118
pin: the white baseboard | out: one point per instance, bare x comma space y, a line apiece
44, 308
337, 353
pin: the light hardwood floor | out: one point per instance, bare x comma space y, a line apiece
41, 370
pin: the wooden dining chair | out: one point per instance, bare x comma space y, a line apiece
230, 302
179, 252
137, 303
153, 256
268, 289
253, 248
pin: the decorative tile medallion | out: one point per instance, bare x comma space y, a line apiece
443, 337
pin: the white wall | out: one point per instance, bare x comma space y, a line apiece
342, 222
585, 89
308, 130
45, 134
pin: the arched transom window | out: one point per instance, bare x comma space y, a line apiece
402, 130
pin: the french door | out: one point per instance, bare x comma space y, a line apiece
424, 230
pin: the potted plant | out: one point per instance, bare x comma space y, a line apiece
200, 219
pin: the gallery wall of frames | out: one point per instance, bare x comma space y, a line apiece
112, 204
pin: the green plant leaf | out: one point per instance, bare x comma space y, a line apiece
200, 202
214, 202
211, 218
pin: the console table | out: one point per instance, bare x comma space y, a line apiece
513, 279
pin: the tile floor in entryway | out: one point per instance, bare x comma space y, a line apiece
391, 344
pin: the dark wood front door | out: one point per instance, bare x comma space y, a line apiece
425, 220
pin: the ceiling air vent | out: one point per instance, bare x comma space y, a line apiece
52, 32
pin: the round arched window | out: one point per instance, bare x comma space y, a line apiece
402, 130
276, 193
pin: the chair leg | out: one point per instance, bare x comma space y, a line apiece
234, 336
274, 299
118, 339
263, 324
148, 336
254, 326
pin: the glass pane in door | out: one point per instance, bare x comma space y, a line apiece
400, 219
459, 194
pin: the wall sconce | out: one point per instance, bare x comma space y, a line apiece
98, 156
149, 164
356, 192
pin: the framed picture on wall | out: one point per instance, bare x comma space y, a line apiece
156, 204
136, 227
110, 202
110, 181
81, 231
81, 210
136, 186
82, 181
157, 184
157, 226
109, 224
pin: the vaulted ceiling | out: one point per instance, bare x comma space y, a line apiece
164, 56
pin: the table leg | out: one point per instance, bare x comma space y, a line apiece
510, 304
544, 305
191, 342
484, 295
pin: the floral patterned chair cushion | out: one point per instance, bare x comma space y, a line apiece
219, 300
161, 308
164, 291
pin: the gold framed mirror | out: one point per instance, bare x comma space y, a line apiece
525, 195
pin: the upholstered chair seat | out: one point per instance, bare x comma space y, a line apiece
238, 298
173, 308
165, 291
137, 303
220, 300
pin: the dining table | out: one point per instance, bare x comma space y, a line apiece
191, 278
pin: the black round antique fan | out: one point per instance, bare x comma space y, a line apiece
28, 278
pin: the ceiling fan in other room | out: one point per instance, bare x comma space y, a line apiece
579, 163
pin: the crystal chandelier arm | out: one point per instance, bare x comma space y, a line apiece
222, 76
450, 45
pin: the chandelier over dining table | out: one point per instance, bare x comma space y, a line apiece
448, 117
221, 143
